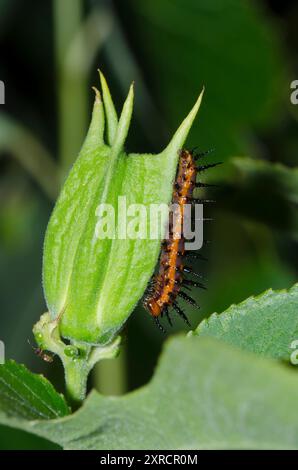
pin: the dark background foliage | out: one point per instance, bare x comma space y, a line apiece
245, 55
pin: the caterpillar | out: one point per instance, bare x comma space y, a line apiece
166, 286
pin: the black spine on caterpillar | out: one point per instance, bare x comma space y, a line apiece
166, 286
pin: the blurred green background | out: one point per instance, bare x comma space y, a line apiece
245, 53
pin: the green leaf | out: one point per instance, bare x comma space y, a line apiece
24, 395
266, 324
204, 395
256, 207
244, 179
284, 180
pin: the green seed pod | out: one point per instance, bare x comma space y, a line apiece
92, 283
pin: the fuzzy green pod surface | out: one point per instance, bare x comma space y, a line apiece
94, 271
93, 283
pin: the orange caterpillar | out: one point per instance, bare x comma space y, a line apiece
166, 285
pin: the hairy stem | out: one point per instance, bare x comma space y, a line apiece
78, 359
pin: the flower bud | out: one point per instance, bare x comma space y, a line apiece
92, 283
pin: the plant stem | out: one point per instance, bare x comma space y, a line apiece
72, 81
77, 368
109, 377
78, 359
76, 375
